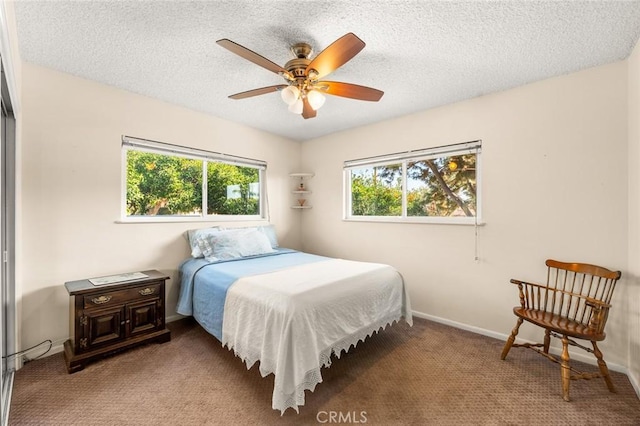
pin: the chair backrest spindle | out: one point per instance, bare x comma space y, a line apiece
555, 286
570, 285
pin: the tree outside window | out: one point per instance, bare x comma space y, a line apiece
432, 186
159, 184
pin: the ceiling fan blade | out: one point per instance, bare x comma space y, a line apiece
307, 111
252, 56
348, 90
256, 92
337, 54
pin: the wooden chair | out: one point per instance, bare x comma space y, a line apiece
574, 303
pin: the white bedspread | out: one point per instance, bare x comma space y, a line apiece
293, 320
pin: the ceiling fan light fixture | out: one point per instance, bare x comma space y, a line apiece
316, 99
303, 89
290, 95
296, 107
312, 74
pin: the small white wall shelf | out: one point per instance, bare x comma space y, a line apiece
301, 190
302, 175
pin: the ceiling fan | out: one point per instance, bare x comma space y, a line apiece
304, 90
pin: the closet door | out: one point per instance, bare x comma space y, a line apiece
3, 284
7, 245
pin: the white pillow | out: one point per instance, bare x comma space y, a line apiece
207, 240
192, 235
233, 244
268, 230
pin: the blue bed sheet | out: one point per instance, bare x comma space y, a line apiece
204, 285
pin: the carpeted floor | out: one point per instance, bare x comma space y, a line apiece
428, 374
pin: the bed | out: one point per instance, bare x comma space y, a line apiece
291, 310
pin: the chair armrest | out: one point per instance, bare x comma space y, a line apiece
530, 293
599, 314
595, 303
519, 282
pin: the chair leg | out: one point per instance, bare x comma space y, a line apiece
565, 370
547, 340
511, 339
603, 367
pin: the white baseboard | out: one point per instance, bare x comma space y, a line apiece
501, 336
175, 317
57, 346
56, 349
634, 382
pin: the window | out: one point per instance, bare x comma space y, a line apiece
169, 182
431, 185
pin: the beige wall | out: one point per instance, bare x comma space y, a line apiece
554, 185
633, 276
71, 189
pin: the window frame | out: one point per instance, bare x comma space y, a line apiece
153, 147
402, 158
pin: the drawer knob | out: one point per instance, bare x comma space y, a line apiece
100, 300
147, 291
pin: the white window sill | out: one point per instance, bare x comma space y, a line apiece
425, 220
188, 219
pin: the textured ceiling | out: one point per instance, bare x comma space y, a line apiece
422, 54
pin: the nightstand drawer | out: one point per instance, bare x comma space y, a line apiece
109, 298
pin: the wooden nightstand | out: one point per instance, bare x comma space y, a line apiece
112, 317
